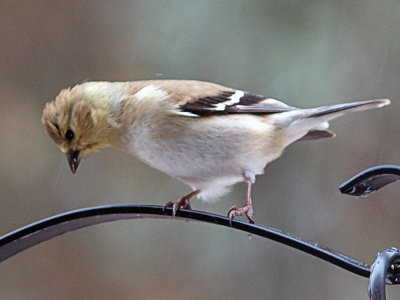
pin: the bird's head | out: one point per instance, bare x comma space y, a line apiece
79, 122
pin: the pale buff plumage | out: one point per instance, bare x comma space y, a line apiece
206, 135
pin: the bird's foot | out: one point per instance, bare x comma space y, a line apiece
182, 203
245, 210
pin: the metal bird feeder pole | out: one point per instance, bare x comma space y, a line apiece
384, 271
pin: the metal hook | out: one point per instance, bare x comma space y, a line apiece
369, 181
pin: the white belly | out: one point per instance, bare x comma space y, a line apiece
209, 156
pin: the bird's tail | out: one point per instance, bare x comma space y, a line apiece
334, 111
301, 122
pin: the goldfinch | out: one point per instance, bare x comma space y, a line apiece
204, 134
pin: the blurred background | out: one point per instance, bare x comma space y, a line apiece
307, 53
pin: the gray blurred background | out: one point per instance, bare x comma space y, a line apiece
307, 53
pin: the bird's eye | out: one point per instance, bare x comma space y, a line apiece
69, 135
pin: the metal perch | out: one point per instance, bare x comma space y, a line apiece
385, 269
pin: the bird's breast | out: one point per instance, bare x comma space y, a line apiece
200, 149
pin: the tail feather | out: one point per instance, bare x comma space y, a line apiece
306, 124
317, 134
348, 107
322, 114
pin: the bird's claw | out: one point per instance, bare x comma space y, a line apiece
245, 210
182, 203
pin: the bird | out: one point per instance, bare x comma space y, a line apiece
204, 134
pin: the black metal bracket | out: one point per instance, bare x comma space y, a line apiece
385, 270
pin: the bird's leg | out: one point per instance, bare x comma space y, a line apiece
247, 209
184, 202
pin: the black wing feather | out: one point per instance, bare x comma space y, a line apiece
248, 103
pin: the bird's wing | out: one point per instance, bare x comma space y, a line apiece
198, 98
235, 102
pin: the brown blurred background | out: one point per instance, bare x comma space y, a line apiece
307, 53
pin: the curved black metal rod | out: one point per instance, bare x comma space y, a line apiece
386, 268
28, 236
370, 180
387, 262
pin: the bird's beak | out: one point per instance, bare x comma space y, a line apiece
74, 158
